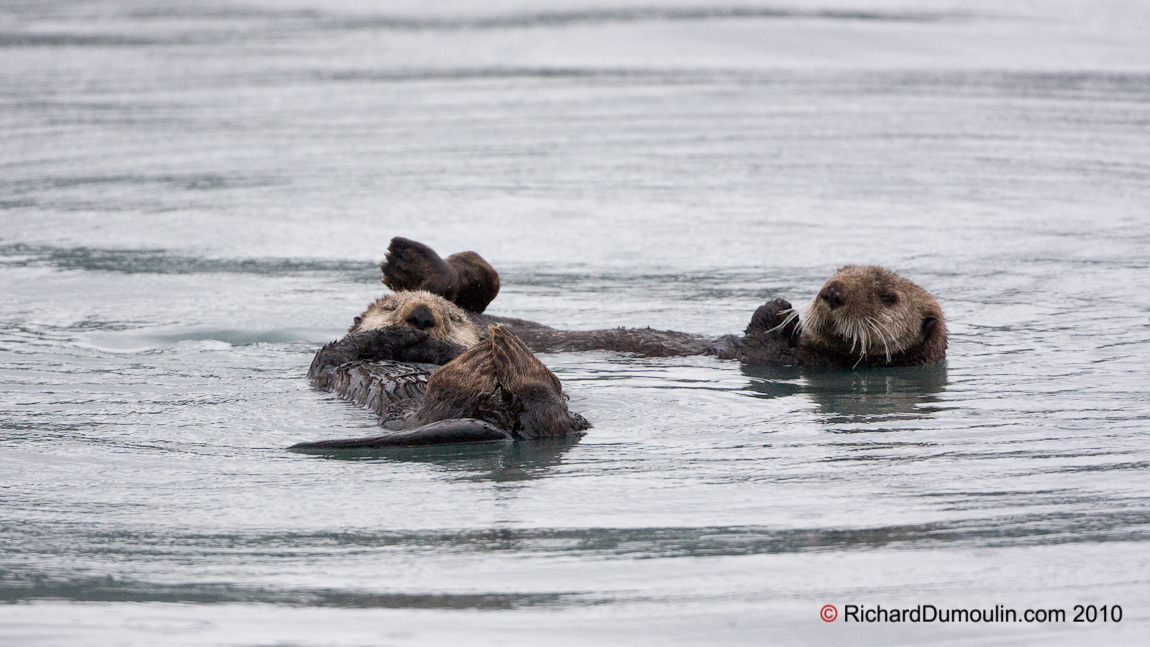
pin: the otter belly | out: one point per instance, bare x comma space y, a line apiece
380, 386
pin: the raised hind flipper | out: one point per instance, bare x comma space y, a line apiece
465, 278
411, 265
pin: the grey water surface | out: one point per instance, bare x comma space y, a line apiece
194, 197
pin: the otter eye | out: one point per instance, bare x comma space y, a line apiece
928, 324
889, 298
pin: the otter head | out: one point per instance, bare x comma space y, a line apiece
870, 314
438, 317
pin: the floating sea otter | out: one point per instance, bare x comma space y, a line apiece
486, 389
864, 316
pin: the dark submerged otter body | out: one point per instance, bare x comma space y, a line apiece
864, 316
765, 342
496, 390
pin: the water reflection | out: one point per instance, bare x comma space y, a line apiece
500, 461
855, 396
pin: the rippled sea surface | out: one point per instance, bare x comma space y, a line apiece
193, 197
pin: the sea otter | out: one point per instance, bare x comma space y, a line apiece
492, 388
864, 316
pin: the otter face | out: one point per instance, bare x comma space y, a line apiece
436, 316
866, 311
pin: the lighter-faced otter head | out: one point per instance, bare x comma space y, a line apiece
869, 312
438, 317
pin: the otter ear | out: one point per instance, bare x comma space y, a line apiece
928, 324
358, 320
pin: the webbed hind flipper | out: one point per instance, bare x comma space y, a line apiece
465, 278
411, 265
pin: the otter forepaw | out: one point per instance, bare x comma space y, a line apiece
391, 342
774, 317
431, 351
407, 344
381, 344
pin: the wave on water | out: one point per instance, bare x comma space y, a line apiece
274, 20
625, 14
160, 261
643, 542
263, 551
108, 589
136, 341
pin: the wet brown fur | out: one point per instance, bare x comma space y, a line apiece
378, 368
380, 386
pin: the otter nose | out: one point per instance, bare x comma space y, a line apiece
832, 293
421, 318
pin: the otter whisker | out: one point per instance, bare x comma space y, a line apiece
874, 324
859, 333
808, 317
879, 324
862, 354
853, 334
